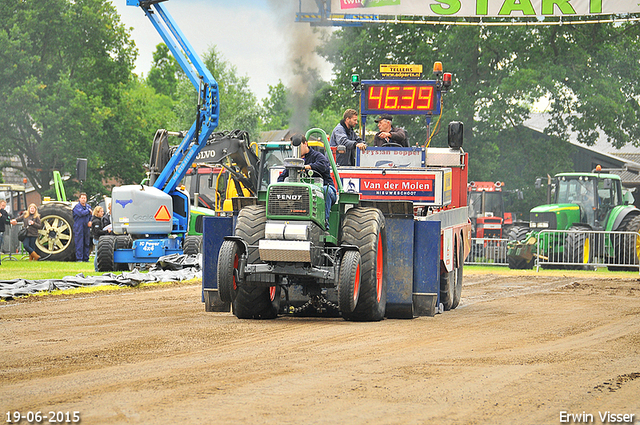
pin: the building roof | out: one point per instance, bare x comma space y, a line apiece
275, 135
10, 174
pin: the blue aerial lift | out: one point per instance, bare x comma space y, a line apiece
151, 221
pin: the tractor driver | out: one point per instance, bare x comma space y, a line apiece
388, 133
587, 200
316, 161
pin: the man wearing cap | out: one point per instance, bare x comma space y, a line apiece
345, 135
318, 162
388, 133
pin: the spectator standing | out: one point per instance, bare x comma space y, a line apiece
97, 230
4, 220
345, 135
106, 219
82, 228
31, 220
388, 133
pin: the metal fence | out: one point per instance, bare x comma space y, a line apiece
11, 247
488, 252
587, 249
568, 249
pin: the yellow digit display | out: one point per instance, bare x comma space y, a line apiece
408, 99
391, 97
404, 98
425, 98
375, 94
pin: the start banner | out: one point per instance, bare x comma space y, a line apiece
486, 8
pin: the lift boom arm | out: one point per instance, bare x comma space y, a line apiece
208, 105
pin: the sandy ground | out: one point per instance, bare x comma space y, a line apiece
518, 350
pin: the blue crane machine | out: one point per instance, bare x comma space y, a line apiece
151, 221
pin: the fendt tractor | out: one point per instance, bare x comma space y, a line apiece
153, 221
584, 203
395, 242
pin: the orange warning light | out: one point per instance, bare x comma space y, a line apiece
162, 214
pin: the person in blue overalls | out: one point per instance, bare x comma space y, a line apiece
82, 228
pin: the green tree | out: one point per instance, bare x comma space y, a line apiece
591, 76
139, 114
163, 75
324, 112
276, 109
60, 82
238, 105
589, 72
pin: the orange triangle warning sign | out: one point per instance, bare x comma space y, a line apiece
162, 214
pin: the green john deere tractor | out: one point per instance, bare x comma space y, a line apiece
584, 202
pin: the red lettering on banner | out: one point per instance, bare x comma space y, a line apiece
350, 4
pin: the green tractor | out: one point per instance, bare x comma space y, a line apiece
279, 238
584, 203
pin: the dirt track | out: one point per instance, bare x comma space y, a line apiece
517, 350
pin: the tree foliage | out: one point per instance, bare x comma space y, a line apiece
60, 82
164, 73
239, 108
276, 110
140, 112
592, 77
589, 72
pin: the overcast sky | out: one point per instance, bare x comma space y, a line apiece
255, 36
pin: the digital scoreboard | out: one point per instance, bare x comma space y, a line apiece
400, 97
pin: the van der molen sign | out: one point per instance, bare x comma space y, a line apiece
488, 8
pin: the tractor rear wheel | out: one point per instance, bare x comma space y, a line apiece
457, 288
447, 289
228, 271
451, 284
366, 229
518, 233
55, 239
627, 249
253, 299
578, 248
349, 283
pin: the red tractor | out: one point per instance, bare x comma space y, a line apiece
488, 218
486, 209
